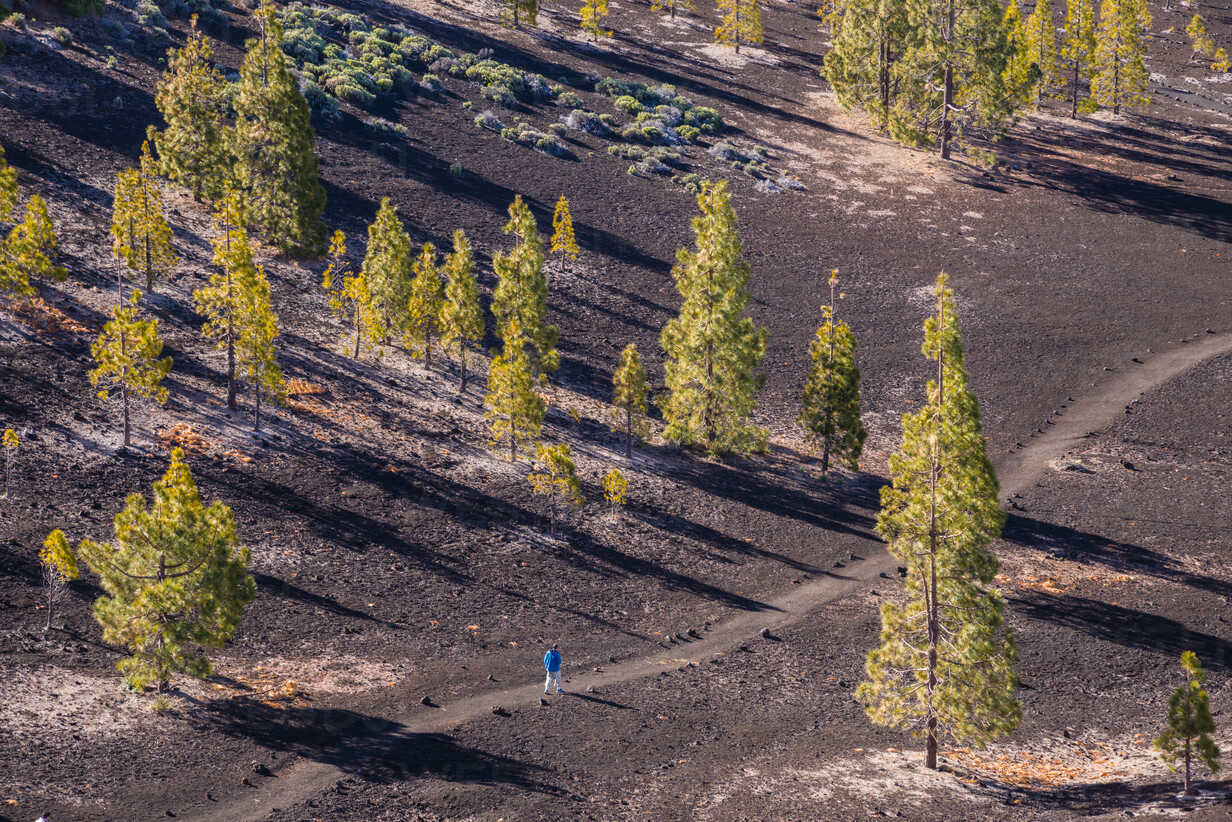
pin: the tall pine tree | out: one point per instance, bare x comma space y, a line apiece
141, 235
516, 11
1190, 723
192, 98
220, 300
461, 317
671, 6
30, 251
869, 39
1042, 46
712, 349
739, 23
350, 298
8, 188
174, 578
945, 662
629, 392
424, 306
830, 413
387, 269
593, 14
275, 163
563, 241
254, 349
1120, 75
520, 299
514, 410
1020, 71
127, 359
1078, 50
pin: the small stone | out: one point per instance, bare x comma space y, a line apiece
764, 633
427, 700
491, 678
259, 768
543, 701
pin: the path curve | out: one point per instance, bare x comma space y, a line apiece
1016, 471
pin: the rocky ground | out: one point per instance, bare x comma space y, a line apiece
396, 558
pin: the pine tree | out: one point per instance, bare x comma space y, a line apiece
1020, 72
1042, 46
175, 576
387, 269
461, 316
514, 410
629, 392
1078, 48
593, 14
192, 98
563, 240
1199, 38
513, 11
59, 566
275, 163
30, 251
1190, 723
1120, 75
830, 415
10, 442
869, 37
945, 663
1221, 61
126, 357
712, 350
671, 6
8, 188
949, 78
555, 477
142, 237
254, 345
740, 23
520, 299
220, 302
424, 305
615, 489
350, 298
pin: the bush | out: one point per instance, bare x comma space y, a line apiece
112, 63
688, 133
706, 119
62, 35
609, 120
113, 27
790, 183
304, 45
691, 182
149, 14
489, 121
651, 165
500, 95
570, 100
353, 94
431, 84
627, 152
548, 144
726, 151
582, 120
558, 129
467, 105
323, 106
629, 105
18, 20
510, 134
385, 128
456, 169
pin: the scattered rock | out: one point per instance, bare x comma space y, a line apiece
902, 571
499, 710
543, 701
491, 678
259, 768
246, 782
764, 633
1135, 359
427, 700
884, 575
1128, 464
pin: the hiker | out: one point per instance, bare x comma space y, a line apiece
551, 664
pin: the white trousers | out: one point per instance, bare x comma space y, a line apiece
553, 676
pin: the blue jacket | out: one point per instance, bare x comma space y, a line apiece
551, 661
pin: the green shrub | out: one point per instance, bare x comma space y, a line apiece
112, 63
353, 94
510, 134
609, 120
559, 129
467, 104
704, 118
570, 100
629, 105
18, 20
689, 133
489, 121
500, 95
62, 35
304, 45
431, 83
456, 169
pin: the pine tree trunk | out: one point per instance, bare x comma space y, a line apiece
1116, 84
930, 753
628, 431
947, 99
256, 424
462, 366
51, 598
1073, 114
513, 442
124, 386
428, 349
355, 352
1188, 787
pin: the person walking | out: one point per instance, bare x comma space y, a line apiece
551, 664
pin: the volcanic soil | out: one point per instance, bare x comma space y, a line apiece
397, 558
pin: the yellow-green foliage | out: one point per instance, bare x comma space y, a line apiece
350, 297
254, 345
8, 188
220, 301
141, 235
1120, 78
1078, 49
29, 251
10, 443
740, 23
424, 305
10, 438
174, 578
629, 392
555, 477
520, 299
1190, 723
1221, 61
191, 96
126, 357
563, 239
58, 557
1042, 47
461, 318
1203, 45
830, 406
387, 268
514, 410
593, 13
615, 488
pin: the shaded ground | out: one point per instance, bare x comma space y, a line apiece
381, 530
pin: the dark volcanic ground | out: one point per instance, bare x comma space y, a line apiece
382, 531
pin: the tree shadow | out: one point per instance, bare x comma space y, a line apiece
369, 747
1093, 549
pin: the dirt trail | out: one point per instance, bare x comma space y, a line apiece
1016, 471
